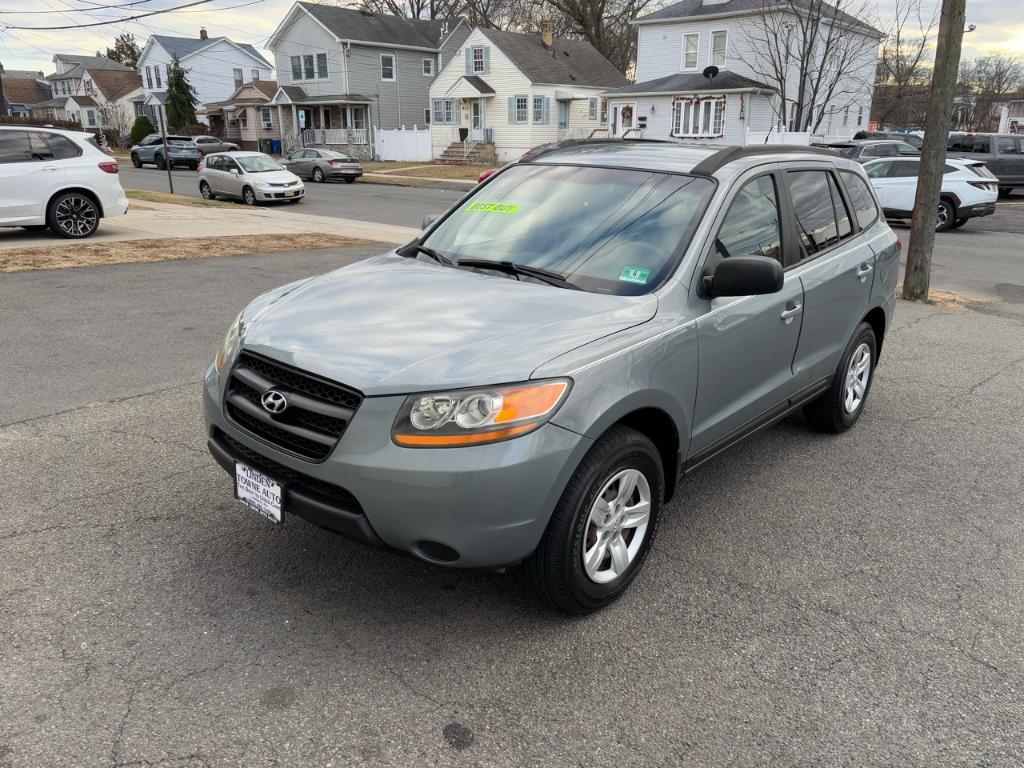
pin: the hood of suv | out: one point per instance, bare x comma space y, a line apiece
396, 325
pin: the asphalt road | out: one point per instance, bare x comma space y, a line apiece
811, 600
382, 203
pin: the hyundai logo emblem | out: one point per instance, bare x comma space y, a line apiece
274, 402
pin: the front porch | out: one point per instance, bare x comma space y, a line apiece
341, 123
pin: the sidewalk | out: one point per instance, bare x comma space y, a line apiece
150, 221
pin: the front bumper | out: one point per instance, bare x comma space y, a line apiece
281, 193
976, 210
475, 507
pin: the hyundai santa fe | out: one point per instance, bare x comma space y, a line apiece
529, 380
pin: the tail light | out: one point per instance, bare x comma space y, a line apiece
986, 185
340, 162
108, 166
899, 243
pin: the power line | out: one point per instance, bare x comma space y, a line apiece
112, 21
96, 7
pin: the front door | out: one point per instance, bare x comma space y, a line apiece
623, 116
746, 344
563, 115
476, 120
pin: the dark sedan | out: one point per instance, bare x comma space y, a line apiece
322, 165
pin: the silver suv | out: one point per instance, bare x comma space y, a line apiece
530, 379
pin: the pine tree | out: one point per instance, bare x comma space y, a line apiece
181, 97
125, 51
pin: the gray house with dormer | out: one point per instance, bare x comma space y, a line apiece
344, 72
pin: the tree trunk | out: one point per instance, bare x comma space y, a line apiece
933, 153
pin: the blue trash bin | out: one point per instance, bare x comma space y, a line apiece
275, 146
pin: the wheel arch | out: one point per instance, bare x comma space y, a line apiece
81, 190
877, 320
660, 428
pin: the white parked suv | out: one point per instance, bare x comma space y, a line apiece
56, 179
969, 189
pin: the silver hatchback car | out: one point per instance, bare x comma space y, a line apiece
530, 379
251, 177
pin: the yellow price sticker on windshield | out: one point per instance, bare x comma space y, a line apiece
481, 207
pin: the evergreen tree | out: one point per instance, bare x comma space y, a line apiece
125, 51
142, 128
181, 97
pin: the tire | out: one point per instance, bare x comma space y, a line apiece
318, 176
838, 408
193, 166
946, 215
135, 160
556, 569
160, 164
248, 196
1005, 191
958, 223
73, 215
349, 179
206, 192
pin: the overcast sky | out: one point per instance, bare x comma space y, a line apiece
1000, 26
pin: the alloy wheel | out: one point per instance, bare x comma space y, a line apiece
249, 197
76, 215
944, 216
318, 176
204, 190
858, 373
616, 526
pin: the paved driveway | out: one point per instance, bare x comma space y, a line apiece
811, 600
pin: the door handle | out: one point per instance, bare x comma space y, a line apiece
864, 271
49, 168
791, 311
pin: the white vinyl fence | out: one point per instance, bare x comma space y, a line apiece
402, 144
778, 137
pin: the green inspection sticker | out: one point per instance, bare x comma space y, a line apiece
635, 275
482, 207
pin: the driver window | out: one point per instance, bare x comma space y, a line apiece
751, 227
228, 165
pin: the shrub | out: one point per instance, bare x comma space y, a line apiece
141, 129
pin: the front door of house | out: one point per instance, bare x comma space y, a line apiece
563, 115
622, 119
476, 120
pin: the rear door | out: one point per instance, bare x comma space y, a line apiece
901, 187
746, 344
1008, 160
835, 266
214, 173
878, 172
29, 176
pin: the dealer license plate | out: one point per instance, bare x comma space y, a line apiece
290, 194
258, 492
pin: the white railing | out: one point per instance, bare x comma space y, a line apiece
564, 134
335, 136
358, 136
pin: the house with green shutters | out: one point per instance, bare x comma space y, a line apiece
504, 93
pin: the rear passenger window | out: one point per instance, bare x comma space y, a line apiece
1007, 145
860, 198
815, 216
62, 147
906, 169
844, 227
15, 147
751, 227
878, 170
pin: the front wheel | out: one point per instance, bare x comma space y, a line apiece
318, 176
248, 196
73, 215
602, 528
135, 160
946, 215
205, 191
838, 408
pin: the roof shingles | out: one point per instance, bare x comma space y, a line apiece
687, 8
364, 26
693, 83
181, 47
566, 62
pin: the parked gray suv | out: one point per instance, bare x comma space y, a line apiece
530, 379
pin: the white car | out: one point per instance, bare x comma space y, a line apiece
969, 189
57, 179
251, 177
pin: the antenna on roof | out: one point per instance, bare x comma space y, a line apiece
710, 72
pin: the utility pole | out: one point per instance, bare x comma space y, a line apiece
161, 113
933, 153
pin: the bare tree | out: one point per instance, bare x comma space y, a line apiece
904, 67
116, 117
818, 56
981, 86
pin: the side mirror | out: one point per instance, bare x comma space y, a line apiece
429, 219
745, 276
234, 171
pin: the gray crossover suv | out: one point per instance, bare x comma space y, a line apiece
530, 379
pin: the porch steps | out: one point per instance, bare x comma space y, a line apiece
482, 153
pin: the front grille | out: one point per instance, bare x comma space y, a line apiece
328, 493
318, 410
285, 184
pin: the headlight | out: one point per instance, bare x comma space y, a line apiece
260, 184
476, 416
227, 350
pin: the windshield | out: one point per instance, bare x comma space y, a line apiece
606, 230
258, 164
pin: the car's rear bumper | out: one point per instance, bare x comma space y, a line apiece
344, 173
976, 210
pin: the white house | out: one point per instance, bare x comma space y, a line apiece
216, 67
672, 98
506, 92
94, 91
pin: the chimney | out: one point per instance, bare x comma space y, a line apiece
545, 34
202, 33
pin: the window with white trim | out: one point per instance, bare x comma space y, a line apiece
296, 67
426, 116
699, 118
428, 67
444, 111
691, 45
522, 105
538, 109
156, 73
267, 117
321, 66
478, 59
860, 116
308, 68
591, 109
237, 74
846, 115
149, 79
255, 74
604, 111
719, 43
387, 66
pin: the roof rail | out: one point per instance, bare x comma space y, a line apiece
566, 143
723, 157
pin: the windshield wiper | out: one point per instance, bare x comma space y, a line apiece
521, 270
435, 255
